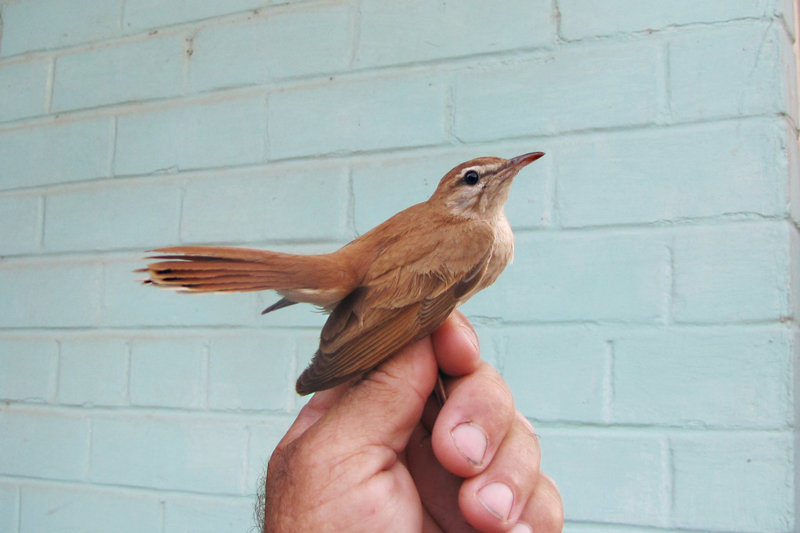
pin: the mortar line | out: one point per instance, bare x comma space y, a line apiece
181, 203
100, 294
2, 24
57, 385
449, 115
244, 416
667, 483
245, 458
112, 164
396, 152
670, 275
121, 19
608, 383
40, 220
552, 191
168, 29
88, 470
49, 86
128, 361
267, 145
291, 400
666, 69
638, 528
188, 51
227, 330
130, 489
351, 204
162, 509
19, 501
205, 374
556, 14
355, 35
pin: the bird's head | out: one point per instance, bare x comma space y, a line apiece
479, 188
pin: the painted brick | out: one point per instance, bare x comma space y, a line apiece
276, 205
579, 276
49, 295
572, 89
9, 507
731, 273
738, 69
794, 270
145, 14
124, 73
792, 159
722, 377
604, 478
93, 372
250, 372
127, 303
174, 453
168, 373
288, 44
733, 482
556, 373
19, 224
23, 89
48, 24
127, 216
673, 173
210, 515
264, 437
87, 509
383, 188
46, 445
357, 116
211, 135
421, 31
75, 151
581, 19
28, 369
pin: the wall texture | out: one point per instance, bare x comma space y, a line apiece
648, 326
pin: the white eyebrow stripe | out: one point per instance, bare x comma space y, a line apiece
480, 168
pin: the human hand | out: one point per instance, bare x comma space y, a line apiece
381, 456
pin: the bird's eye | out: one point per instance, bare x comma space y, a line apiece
471, 177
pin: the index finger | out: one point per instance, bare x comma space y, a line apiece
456, 346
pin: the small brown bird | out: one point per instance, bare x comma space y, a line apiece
393, 285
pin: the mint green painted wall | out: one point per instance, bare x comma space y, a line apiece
648, 325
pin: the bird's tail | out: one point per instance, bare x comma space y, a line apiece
222, 269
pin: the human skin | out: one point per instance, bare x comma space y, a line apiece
380, 455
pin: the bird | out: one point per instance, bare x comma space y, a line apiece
392, 285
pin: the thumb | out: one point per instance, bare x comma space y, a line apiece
383, 408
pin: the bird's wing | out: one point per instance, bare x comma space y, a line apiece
398, 304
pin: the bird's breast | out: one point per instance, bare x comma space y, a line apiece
502, 254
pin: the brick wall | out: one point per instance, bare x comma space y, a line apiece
648, 324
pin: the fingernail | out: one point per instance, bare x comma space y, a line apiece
521, 527
471, 441
498, 499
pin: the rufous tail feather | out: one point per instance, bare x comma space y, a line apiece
221, 269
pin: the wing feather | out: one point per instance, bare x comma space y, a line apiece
394, 307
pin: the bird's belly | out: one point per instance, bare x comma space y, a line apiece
325, 298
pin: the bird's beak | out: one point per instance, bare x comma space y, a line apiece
521, 161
